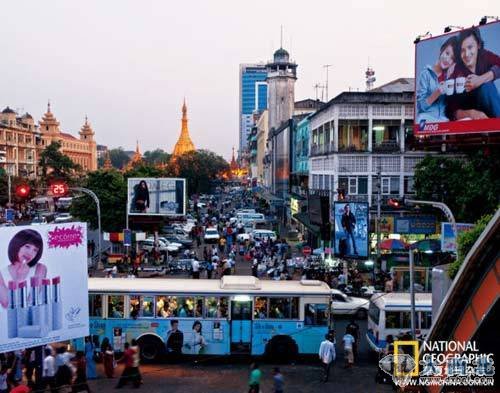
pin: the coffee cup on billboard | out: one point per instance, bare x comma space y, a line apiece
450, 86
460, 85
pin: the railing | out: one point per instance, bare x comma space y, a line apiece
386, 147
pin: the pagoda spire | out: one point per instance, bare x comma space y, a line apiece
107, 162
184, 143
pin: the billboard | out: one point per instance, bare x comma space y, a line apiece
417, 225
448, 237
457, 82
43, 285
156, 197
350, 229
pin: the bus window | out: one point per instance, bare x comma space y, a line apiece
135, 306
141, 306
316, 314
397, 320
425, 319
198, 308
374, 313
284, 308
185, 307
216, 307
260, 308
166, 306
115, 306
95, 305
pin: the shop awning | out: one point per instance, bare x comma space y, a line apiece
304, 219
270, 198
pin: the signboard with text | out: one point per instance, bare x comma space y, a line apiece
418, 225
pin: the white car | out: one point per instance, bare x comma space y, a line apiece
148, 245
242, 237
347, 305
63, 217
264, 234
211, 235
168, 242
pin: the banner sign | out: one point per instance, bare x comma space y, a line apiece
421, 225
448, 237
43, 285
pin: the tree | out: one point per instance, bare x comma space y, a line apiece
56, 165
144, 171
157, 156
470, 186
118, 157
111, 189
199, 168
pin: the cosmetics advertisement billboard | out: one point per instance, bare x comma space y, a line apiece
156, 197
457, 82
43, 285
351, 226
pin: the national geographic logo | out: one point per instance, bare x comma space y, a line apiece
402, 363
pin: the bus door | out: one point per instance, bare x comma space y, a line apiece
241, 326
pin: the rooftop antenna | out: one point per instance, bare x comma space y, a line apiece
281, 37
327, 66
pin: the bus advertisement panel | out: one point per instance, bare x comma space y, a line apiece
457, 82
156, 197
43, 285
350, 231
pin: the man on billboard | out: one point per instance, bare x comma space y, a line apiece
348, 224
477, 68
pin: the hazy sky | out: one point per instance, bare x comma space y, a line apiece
128, 64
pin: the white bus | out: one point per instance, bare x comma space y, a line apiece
236, 314
389, 314
254, 218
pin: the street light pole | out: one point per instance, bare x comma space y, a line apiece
9, 186
412, 293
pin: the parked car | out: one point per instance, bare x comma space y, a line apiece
172, 230
347, 305
211, 235
184, 242
63, 217
148, 245
168, 242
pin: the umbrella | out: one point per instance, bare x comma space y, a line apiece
393, 244
427, 245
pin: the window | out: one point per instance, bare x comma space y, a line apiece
390, 185
409, 185
353, 135
374, 313
95, 306
353, 186
180, 307
284, 308
425, 319
385, 135
116, 306
316, 314
260, 308
216, 307
141, 306
397, 320
363, 185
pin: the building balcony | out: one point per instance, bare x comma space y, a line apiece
386, 147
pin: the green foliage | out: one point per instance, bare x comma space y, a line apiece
157, 156
111, 189
465, 242
144, 171
118, 157
56, 165
470, 187
199, 168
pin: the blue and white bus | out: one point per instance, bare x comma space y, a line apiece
237, 314
390, 314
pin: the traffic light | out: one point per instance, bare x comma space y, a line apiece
340, 194
23, 190
59, 189
395, 203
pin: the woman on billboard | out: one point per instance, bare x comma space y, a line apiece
24, 252
140, 202
477, 69
431, 84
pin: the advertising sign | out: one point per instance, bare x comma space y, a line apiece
448, 238
43, 285
156, 197
350, 229
421, 225
457, 82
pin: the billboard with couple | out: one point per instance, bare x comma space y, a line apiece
458, 82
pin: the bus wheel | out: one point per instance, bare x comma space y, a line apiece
152, 348
282, 349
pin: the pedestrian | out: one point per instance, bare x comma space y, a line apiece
254, 381
49, 371
64, 371
3, 379
278, 380
136, 373
348, 341
80, 382
210, 269
114, 271
327, 354
353, 329
109, 361
128, 360
89, 356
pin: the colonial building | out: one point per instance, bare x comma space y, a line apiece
19, 141
184, 143
82, 150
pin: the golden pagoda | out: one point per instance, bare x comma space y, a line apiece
184, 143
107, 162
136, 159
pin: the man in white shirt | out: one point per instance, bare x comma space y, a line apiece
49, 370
327, 354
348, 340
196, 268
